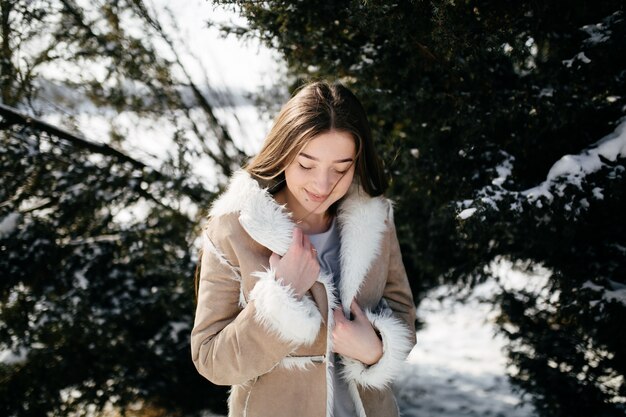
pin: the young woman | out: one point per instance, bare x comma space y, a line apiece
304, 306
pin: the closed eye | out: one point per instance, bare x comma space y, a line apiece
303, 167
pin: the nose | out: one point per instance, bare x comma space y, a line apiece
323, 183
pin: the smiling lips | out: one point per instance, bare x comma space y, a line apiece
315, 197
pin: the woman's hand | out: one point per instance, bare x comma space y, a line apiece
299, 267
356, 339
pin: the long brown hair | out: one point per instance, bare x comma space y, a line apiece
316, 108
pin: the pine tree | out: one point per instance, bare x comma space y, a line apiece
98, 247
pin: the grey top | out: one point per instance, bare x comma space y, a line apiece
328, 245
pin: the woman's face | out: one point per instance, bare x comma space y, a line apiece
327, 161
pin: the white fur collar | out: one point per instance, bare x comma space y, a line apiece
361, 221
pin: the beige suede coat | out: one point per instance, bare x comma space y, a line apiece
252, 333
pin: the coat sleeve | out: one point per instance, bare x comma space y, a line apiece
394, 320
232, 341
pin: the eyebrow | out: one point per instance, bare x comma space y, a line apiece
316, 159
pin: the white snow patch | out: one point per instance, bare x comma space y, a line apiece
80, 281
617, 292
597, 193
9, 223
8, 357
576, 167
600, 32
177, 328
546, 92
579, 57
504, 170
467, 213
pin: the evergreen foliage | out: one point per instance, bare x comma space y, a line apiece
98, 249
474, 103
97, 310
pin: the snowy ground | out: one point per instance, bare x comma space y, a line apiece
457, 367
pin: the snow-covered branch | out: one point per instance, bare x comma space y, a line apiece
569, 170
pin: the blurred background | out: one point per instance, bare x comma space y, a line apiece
501, 124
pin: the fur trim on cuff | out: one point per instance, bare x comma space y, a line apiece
396, 347
296, 321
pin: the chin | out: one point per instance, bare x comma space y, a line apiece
316, 208
313, 208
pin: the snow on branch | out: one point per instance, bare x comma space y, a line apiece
601, 32
616, 292
570, 170
576, 167
11, 116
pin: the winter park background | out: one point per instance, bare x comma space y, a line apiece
501, 124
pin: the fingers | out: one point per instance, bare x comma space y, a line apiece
301, 240
356, 310
339, 316
306, 244
297, 236
274, 259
